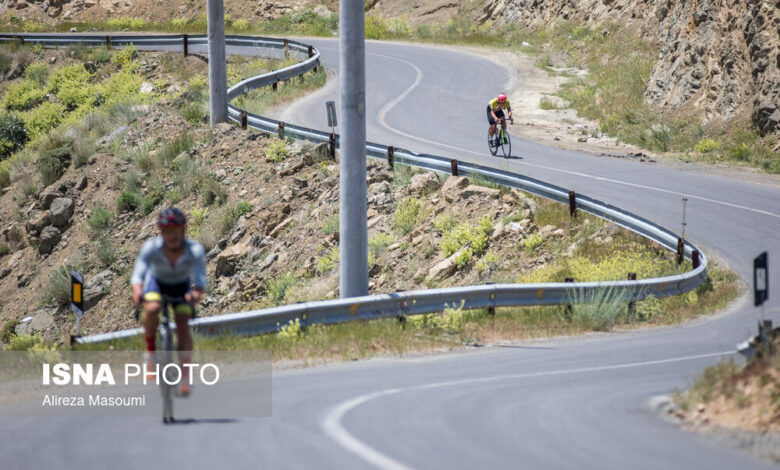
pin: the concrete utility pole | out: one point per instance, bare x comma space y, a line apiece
353, 235
218, 111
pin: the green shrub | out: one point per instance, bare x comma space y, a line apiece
327, 262
106, 252
8, 331
243, 207
276, 151
487, 262
37, 72
707, 145
13, 134
278, 287
27, 343
125, 57
23, 95
292, 331
740, 152
444, 223
5, 248
100, 220
532, 242
52, 163
408, 215
6, 62
70, 75
101, 55
473, 240
41, 120
240, 25
547, 103
180, 144
330, 224
57, 289
194, 113
5, 177
128, 201
599, 310
378, 244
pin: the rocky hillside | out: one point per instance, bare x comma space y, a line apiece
717, 59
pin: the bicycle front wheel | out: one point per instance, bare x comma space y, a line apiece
506, 144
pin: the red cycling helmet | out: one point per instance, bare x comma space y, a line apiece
171, 217
502, 98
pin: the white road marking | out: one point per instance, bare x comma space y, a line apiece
331, 424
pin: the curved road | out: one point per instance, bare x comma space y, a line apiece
565, 403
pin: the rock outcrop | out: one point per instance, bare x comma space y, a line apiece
719, 60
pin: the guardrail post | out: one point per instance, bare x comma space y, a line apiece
390, 156
454, 167
568, 312
186, 44
572, 204
311, 52
108, 42
332, 146
680, 250
315, 69
275, 86
281, 130
286, 49
765, 335
632, 303
243, 120
695, 260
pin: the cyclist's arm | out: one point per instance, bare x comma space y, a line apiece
199, 272
509, 111
139, 272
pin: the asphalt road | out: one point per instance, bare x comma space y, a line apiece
566, 403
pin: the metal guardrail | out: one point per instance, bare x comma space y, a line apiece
399, 303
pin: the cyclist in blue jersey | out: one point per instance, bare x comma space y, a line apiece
174, 266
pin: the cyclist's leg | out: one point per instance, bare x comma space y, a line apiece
152, 299
182, 314
491, 121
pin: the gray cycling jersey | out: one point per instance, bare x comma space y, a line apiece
191, 265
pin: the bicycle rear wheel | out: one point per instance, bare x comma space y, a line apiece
491, 145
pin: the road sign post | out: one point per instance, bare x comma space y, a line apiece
760, 296
77, 297
761, 279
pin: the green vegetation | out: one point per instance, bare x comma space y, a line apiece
705, 386
469, 241
100, 220
276, 151
409, 214
328, 261
278, 287
547, 103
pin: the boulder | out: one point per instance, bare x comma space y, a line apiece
455, 182
43, 319
424, 183
16, 237
229, 259
473, 189
380, 188
97, 287
443, 269
61, 211
37, 221
49, 238
48, 196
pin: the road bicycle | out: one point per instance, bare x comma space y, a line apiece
500, 140
165, 355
